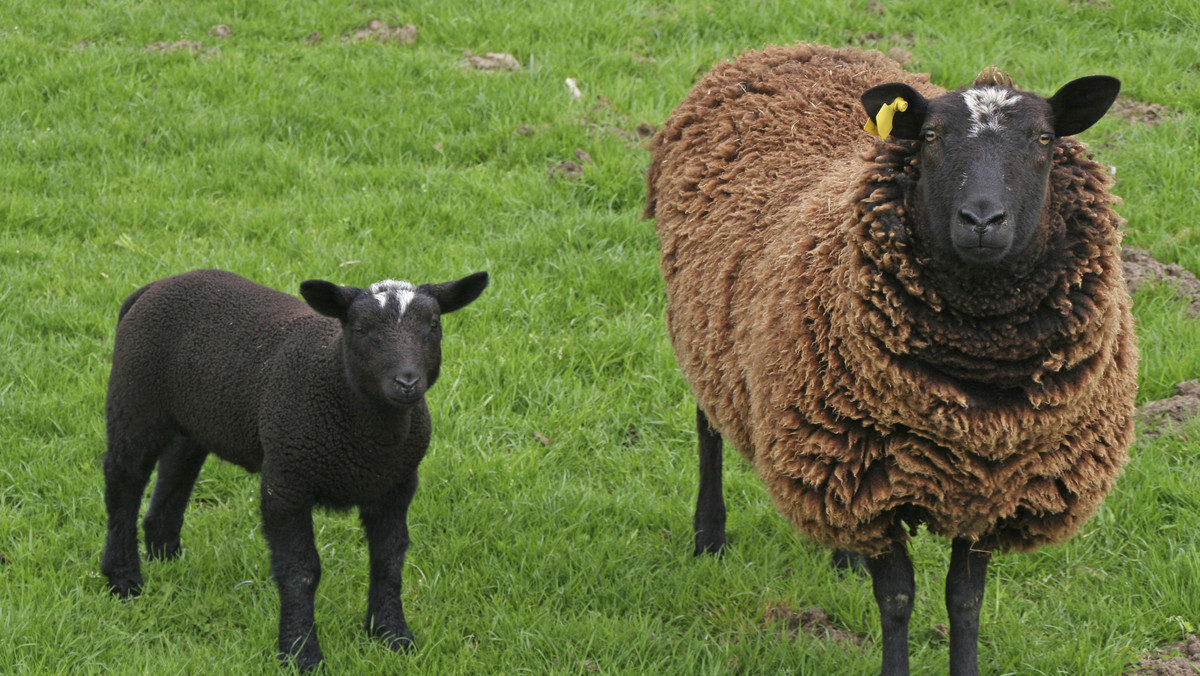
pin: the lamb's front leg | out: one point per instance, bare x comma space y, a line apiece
964, 597
892, 582
386, 525
296, 567
708, 524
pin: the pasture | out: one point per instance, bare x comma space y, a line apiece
551, 533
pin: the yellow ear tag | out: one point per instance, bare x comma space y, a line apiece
882, 125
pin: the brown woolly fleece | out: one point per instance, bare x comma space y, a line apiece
871, 389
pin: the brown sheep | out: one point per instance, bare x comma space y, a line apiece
931, 328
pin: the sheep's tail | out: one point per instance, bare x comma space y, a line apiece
128, 304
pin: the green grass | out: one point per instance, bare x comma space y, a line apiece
284, 161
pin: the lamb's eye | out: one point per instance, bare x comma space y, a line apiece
929, 135
1046, 138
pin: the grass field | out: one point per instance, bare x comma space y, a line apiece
551, 533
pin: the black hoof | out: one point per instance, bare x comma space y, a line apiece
125, 589
162, 551
706, 544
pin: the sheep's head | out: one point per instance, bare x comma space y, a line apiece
392, 332
985, 158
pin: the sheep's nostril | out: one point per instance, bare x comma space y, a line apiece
406, 383
981, 219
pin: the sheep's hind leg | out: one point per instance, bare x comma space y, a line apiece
964, 597
177, 471
892, 582
709, 522
296, 567
127, 467
386, 525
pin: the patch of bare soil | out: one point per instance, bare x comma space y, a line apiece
1177, 659
571, 170
489, 62
1141, 269
196, 48
1140, 112
220, 31
874, 40
606, 119
813, 621
1166, 415
379, 31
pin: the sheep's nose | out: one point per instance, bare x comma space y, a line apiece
406, 382
981, 217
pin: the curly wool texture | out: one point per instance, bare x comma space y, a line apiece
871, 387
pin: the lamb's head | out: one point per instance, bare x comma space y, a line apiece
985, 158
392, 332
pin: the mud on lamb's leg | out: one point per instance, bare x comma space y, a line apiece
709, 521
892, 581
386, 525
964, 596
177, 471
296, 567
127, 466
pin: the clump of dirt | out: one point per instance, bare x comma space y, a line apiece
220, 31
490, 62
1177, 659
605, 118
1141, 269
314, 38
530, 130
876, 8
900, 55
196, 48
379, 31
570, 169
1166, 415
1101, 4
874, 40
813, 621
1141, 112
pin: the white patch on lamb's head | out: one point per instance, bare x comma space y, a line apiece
987, 105
401, 294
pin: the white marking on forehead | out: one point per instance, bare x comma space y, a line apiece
987, 106
401, 292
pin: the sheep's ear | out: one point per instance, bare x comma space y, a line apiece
1081, 103
328, 298
458, 294
906, 123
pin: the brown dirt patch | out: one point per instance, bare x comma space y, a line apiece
196, 48
220, 31
572, 170
813, 621
1177, 659
1167, 415
605, 118
380, 31
490, 62
874, 40
1141, 269
1141, 112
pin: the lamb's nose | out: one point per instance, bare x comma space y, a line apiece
406, 382
981, 217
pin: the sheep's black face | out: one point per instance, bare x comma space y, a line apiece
392, 332
986, 154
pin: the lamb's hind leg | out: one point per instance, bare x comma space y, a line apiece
709, 521
892, 581
177, 471
964, 597
127, 466
386, 525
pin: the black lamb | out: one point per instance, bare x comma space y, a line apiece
329, 406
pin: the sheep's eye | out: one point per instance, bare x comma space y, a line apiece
435, 325
1046, 138
929, 135
360, 330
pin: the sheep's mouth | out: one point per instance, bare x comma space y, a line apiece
404, 400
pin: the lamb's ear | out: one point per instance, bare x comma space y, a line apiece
1081, 103
328, 298
458, 294
906, 123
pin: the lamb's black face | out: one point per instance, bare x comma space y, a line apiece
392, 332
986, 154
985, 165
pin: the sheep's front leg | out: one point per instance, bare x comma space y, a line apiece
964, 597
892, 581
709, 522
297, 571
386, 525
